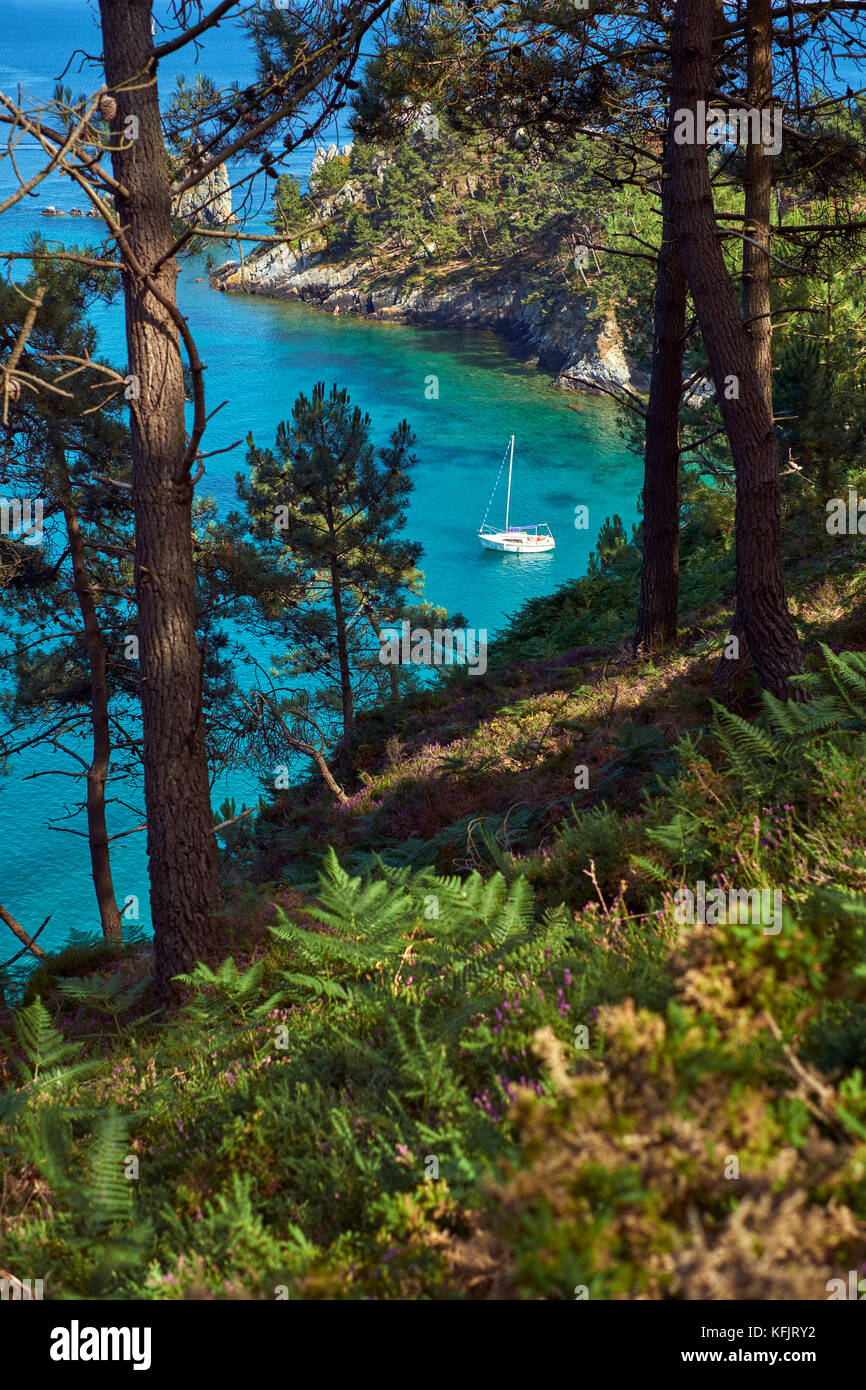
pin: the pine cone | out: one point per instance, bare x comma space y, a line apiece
108, 107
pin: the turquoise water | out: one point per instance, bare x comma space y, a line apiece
259, 355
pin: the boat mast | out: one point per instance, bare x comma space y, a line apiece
508, 498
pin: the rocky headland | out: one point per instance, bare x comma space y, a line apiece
532, 305
582, 352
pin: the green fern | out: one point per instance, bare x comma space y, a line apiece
741, 741
366, 919
652, 870
45, 1048
848, 674
833, 702
223, 995
427, 1073
108, 996
106, 1194
442, 944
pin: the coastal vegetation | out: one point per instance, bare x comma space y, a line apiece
472, 1053
438, 1019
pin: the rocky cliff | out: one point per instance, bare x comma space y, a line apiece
584, 352
210, 202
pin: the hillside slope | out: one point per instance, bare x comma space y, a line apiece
500, 1061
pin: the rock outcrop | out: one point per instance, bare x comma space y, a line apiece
209, 202
324, 153
583, 352
52, 211
419, 122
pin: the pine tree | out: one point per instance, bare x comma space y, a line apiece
329, 507
290, 209
67, 603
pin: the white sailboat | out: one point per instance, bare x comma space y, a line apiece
515, 540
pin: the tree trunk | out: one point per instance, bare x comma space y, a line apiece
182, 848
756, 267
342, 647
660, 567
22, 935
761, 604
100, 763
758, 198
377, 629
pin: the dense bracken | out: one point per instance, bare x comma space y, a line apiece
486, 1060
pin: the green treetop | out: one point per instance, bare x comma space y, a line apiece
330, 506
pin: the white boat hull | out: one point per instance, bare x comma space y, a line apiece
516, 542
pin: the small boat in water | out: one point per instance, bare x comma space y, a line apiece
514, 540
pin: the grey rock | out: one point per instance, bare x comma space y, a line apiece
700, 394
352, 194
321, 157
418, 121
282, 272
209, 202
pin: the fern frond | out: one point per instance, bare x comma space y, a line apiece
742, 741
108, 1193
848, 676
318, 984
652, 870
44, 1045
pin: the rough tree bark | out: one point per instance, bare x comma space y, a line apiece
758, 197
378, 630
660, 567
761, 605
100, 762
340, 625
756, 267
182, 848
